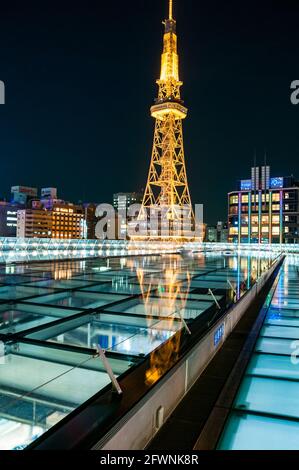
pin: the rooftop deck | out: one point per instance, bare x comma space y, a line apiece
54, 315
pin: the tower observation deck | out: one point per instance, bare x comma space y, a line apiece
166, 212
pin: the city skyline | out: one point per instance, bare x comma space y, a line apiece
237, 94
149, 263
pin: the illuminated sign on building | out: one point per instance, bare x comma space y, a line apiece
246, 185
49, 192
218, 335
25, 190
276, 183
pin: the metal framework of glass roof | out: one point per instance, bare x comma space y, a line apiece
54, 315
39, 249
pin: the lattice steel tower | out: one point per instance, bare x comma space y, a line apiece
167, 186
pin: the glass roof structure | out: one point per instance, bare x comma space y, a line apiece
265, 413
54, 315
40, 249
43, 249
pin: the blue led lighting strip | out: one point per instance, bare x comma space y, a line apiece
248, 271
260, 216
270, 217
239, 218
281, 217
249, 216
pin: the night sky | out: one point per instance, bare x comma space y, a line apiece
80, 78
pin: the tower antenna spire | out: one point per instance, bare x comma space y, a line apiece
171, 9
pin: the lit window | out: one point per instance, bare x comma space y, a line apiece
265, 219
275, 197
245, 198
234, 199
286, 230
275, 219
275, 231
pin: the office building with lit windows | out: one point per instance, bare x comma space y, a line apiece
63, 221
67, 221
8, 218
216, 233
34, 223
264, 209
121, 203
50, 217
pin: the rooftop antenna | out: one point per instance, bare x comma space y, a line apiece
254, 177
254, 158
265, 173
265, 158
171, 9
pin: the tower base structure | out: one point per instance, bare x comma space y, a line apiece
156, 224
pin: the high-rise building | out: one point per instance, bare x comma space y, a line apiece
63, 220
8, 218
223, 234
122, 201
166, 197
90, 220
67, 221
34, 223
211, 234
264, 209
217, 233
120, 220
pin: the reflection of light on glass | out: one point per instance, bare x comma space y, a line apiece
17, 436
62, 274
169, 301
238, 277
248, 272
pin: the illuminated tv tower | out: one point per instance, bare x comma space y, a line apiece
167, 189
